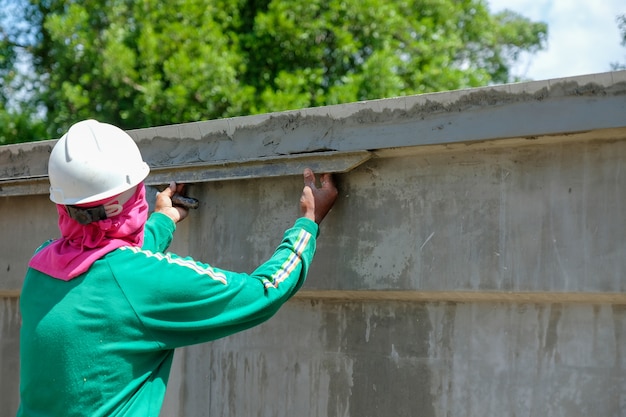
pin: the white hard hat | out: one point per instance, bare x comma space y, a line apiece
94, 161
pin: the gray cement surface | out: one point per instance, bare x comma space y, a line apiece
472, 266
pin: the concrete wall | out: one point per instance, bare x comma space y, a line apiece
473, 264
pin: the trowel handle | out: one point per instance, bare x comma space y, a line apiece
186, 202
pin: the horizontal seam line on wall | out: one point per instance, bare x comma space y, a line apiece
465, 296
446, 296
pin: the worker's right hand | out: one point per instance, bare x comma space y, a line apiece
164, 203
315, 203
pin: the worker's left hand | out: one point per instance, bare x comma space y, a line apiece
164, 203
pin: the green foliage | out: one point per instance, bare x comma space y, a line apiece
16, 124
621, 25
144, 63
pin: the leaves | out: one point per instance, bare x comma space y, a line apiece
147, 62
621, 25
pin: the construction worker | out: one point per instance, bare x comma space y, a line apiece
104, 306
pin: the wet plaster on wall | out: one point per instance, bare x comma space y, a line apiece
467, 115
556, 107
25, 160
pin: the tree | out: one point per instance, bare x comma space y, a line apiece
147, 62
20, 120
621, 25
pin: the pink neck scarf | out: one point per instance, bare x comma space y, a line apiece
81, 245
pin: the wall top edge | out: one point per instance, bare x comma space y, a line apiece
556, 107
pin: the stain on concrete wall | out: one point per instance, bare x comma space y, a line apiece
9, 361
407, 359
536, 215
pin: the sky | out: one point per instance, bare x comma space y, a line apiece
583, 37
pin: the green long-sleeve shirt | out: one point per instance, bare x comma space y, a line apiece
102, 344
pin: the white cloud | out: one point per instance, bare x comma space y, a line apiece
583, 37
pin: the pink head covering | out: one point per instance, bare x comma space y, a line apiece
81, 245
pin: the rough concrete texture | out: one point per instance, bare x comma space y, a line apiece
405, 359
472, 266
552, 107
458, 116
532, 218
9, 355
528, 218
